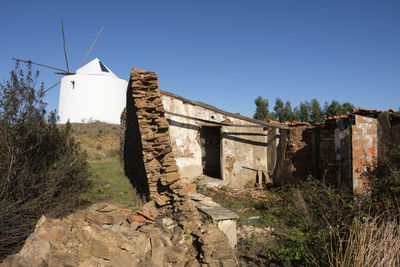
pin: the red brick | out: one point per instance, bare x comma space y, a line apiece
363, 142
138, 218
372, 150
359, 153
189, 187
360, 120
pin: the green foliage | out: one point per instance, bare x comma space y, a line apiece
279, 110
311, 213
288, 112
335, 108
296, 114
262, 110
42, 170
384, 184
316, 112
303, 219
306, 111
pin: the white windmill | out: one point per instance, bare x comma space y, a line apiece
92, 93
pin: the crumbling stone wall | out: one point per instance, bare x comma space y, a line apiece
300, 150
159, 179
297, 160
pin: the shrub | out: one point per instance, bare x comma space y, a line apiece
309, 214
370, 243
42, 170
384, 184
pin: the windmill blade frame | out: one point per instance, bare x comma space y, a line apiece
51, 87
101, 30
42, 65
65, 50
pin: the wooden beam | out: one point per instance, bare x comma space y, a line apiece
214, 123
233, 115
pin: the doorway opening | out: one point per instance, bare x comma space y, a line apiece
210, 139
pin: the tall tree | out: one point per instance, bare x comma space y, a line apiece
316, 112
287, 112
305, 111
347, 108
335, 108
262, 111
279, 110
296, 114
332, 109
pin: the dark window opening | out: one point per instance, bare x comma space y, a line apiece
73, 84
210, 139
103, 68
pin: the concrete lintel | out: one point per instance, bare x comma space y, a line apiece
218, 213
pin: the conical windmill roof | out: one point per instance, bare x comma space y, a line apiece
95, 67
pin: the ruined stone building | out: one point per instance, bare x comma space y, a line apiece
340, 149
168, 138
201, 139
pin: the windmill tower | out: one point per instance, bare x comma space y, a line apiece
92, 93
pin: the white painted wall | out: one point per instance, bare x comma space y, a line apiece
237, 157
92, 94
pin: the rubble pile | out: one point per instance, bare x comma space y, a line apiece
108, 235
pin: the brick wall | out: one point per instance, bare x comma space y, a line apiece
364, 143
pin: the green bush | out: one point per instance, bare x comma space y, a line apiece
42, 170
384, 185
308, 215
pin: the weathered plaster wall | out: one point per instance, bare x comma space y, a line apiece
243, 150
273, 139
364, 143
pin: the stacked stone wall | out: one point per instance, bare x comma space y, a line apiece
161, 171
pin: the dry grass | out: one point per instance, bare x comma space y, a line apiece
370, 243
100, 140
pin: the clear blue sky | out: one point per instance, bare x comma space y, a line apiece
224, 53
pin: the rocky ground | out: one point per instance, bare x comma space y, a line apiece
113, 235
